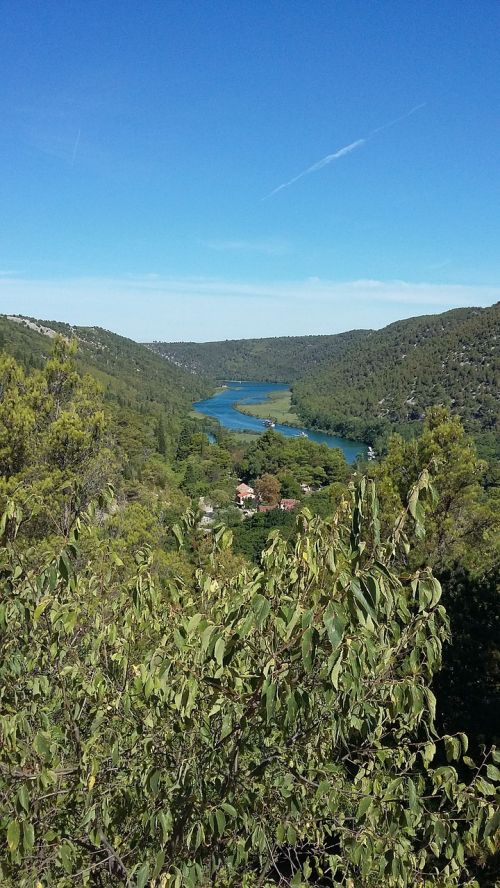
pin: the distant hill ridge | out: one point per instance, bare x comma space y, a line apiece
364, 382
272, 359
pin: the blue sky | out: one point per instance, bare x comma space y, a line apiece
141, 144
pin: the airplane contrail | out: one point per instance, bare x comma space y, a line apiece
75, 147
345, 150
385, 126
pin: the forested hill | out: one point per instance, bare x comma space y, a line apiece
362, 383
393, 375
142, 389
277, 359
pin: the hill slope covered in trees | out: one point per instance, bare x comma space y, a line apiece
393, 375
145, 394
363, 383
276, 359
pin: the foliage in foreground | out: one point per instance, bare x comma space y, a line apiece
281, 722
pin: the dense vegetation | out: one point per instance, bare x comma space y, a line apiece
184, 704
277, 359
364, 384
392, 376
144, 394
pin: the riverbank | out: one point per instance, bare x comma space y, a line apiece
222, 407
277, 406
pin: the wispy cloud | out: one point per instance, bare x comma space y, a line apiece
341, 152
265, 247
14, 292
146, 307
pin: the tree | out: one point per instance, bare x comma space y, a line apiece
277, 723
462, 545
268, 489
53, 436
464, 522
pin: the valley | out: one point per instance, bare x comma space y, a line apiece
365, 384
249, 444
183, 562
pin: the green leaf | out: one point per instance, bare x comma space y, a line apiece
221, 821
334, 623
159, 862
307, 649
229, 809
177, 532
22, 795
142, 875
358, 595
493, 772
193, 623
270, 700
492, 825
28, 836
64, 567
66, 857
220, 647
261, 608
206, 636
41, 744
13, 835
37, 613
363, 807
453, 748
154, 780
428, 752
165, 821
335, 674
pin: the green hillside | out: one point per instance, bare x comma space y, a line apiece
141, 389
363, 383
278, 359
393, 375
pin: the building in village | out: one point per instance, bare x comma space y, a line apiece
244, 493
287, 505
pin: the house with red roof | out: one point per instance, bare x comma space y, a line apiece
287, 505
243, 493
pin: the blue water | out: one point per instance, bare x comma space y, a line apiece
222, 408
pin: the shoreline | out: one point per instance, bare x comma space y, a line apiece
274, 404
246, 410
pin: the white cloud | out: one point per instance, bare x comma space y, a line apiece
147, 307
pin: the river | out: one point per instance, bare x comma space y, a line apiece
222, 407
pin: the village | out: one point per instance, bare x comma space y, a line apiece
250, 502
